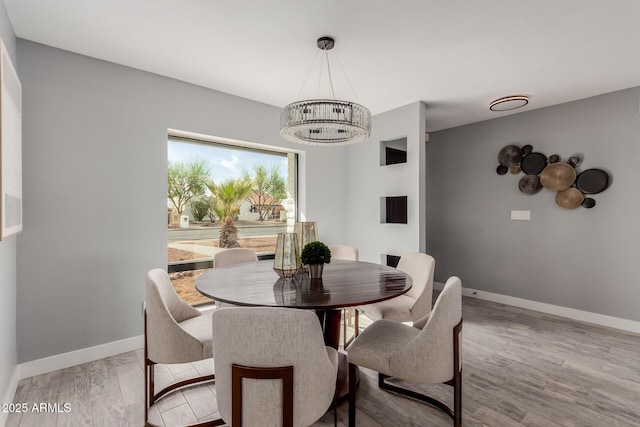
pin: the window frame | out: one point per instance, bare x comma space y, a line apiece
179, 266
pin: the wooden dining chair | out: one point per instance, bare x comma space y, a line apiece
430, 355
272, 367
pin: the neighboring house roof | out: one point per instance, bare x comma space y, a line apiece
254, 198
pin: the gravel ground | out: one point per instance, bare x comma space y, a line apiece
184, 282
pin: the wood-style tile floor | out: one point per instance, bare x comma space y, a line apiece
520, 368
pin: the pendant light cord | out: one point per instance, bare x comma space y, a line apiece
326, 54
304, 83
322, 59
347, 77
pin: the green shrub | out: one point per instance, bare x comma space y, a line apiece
200, 208
315, 253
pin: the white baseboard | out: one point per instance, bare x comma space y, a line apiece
11, 391
77, 357
556, 310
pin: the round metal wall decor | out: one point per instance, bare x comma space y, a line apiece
592, 181
558, 176
530, 184
570, 198
553, 174
533, 163
574, 161
510, 155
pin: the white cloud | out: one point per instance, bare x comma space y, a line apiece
230, 164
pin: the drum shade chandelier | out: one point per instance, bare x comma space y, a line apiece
325, 121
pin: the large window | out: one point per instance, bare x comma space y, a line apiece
222, 196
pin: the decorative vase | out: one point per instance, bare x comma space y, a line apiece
307, 232
286, 261
315, 271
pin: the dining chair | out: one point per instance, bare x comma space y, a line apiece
344, 252
429, 355
272, 367
232, 256
351, 254
413, 305
174, 332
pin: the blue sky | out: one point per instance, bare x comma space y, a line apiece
224, 163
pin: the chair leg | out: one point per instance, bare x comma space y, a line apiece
147, 374
348, 321
352, 394
335, 407
152, 391
146, 392
455, 382
410, 393
457, 377
344, 328
457, 401
356, 320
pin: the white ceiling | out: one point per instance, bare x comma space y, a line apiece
454, 55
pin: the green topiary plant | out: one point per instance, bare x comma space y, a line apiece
315, 253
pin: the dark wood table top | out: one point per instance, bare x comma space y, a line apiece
343, 284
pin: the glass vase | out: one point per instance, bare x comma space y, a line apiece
307, 232
287, 258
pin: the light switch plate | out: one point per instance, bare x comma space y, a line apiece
521, 215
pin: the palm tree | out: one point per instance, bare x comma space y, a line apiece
225, 203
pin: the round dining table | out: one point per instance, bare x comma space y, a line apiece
343, 284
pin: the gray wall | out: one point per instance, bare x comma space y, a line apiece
584, 258
95, 165
7, 258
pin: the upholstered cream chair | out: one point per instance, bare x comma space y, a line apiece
229, 257
233, 256
351, 254
414, 304
174, 332
428, 355
272, 367
344, 252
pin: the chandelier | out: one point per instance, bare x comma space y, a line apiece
325, 121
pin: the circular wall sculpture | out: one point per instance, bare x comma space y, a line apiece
553, 174
530, 184
510, 155
592, 181
533, 163
557, 176
569, 198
